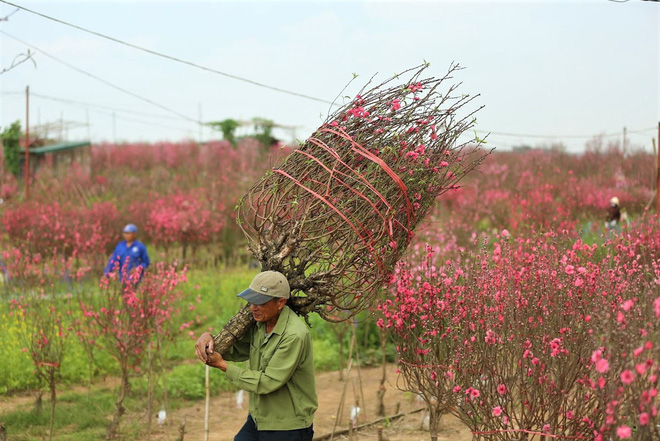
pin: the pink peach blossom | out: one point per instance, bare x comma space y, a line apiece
627, 305
623, 432
627, 377
602, 365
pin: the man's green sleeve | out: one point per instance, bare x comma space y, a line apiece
279, 370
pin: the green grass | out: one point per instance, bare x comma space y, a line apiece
85, 416
217, 291
77, 417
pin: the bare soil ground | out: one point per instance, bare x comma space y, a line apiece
226, 419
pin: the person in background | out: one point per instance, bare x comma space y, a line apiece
129, 255
613, 215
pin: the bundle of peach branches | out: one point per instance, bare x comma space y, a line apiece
340, 211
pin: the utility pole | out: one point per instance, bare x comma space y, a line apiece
27, 142
623, 148
200, 122
89, 130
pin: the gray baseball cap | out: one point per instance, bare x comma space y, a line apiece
265, 287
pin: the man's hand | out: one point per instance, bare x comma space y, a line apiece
204, 351
204, 347
216, 361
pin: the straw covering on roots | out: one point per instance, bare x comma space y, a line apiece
339, 212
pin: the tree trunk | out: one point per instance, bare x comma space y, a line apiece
90, 354
380, 395
434, 422
233, 330
113, 428
182, 428
161, 366
340, 356
38, 402
53, 400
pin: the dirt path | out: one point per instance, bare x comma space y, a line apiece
226, 419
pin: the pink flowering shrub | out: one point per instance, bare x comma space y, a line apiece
182, 218
539, 335
417, 318
550, 189
128, 315
81, 214
8, 187
41, 318
23, 269
71, 230
45, 333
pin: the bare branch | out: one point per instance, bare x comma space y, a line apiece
6, 18
20, 59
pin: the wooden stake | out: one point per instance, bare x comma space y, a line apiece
149, 393
357, 356
208, 402
341, 401
343, 394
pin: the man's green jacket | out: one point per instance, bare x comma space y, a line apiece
280, 373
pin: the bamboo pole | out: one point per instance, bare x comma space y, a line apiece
207, 405
149, 392
341, 402
343, 394
359, 371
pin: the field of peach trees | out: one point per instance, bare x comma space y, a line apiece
514, 309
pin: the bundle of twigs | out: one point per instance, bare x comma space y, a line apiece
339, 212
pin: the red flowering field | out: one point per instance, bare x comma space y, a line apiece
514, 311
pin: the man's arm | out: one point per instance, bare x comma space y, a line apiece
144, 259
111, 262
281, 367
240, 351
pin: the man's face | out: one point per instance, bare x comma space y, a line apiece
267, 311
129, 237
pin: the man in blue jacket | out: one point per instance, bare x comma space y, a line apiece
129, 255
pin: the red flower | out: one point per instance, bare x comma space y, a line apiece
627, 305
627, 377
602, 365
623, 432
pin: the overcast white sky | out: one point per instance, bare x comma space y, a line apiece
562, 68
